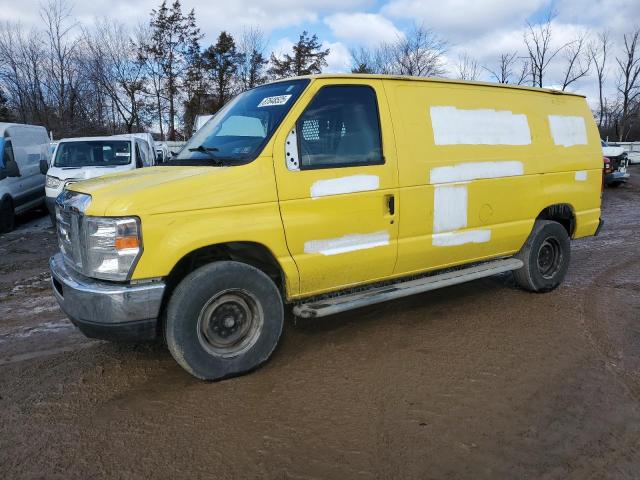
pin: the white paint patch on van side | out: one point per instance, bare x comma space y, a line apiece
453, 126
351, 184
348, 243
474, 171
449, 208
568, 130
581, 176
452, 239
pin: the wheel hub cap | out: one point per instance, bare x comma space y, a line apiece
230, 323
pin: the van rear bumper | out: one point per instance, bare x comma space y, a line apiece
107, 310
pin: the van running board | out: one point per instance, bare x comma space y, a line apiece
329, 306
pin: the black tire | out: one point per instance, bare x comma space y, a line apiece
7, 216
222, 296
546, 255
614, 184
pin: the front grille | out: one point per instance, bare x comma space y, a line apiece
69, 231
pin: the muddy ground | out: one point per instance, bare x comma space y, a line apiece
475, 381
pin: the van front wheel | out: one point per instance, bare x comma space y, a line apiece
224, 319
546, 255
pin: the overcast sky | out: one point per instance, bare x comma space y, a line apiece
481, 28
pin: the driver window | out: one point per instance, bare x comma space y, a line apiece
340, 128
8, 153
140, 160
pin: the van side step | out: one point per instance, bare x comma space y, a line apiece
349, 301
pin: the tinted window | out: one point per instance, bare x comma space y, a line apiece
93, 153
340, 128
8, 153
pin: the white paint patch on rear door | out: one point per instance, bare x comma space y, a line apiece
453, 126
464, 172
452, 239
568, 130
581, 176
449, 208
348, 243
351, 184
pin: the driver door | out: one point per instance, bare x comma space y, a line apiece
337, 185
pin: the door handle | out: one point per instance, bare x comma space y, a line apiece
391, 204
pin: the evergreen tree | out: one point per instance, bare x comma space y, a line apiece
5, 111
308, 58
172, 41
222, 61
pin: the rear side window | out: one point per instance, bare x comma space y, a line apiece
340, 128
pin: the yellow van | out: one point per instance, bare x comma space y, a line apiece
329, 193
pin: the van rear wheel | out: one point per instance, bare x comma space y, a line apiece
224, 319
546, 255
7, 216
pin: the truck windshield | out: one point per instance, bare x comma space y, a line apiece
239, 131
93, 153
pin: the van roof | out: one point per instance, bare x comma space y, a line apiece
4, 126
98, 138
432, 80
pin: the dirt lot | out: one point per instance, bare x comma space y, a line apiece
476, 381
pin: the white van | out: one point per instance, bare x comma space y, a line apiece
76, 159
21, 183
146, 137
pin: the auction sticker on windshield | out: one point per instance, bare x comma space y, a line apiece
274, 101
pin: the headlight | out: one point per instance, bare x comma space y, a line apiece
53, 182
112, 246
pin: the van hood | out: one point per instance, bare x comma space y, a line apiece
612, 152
85, 173
167, 189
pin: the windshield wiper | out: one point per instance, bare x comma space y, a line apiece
209, 152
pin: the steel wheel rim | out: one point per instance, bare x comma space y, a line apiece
549, 257
230, 323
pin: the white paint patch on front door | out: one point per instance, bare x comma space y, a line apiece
348, 243
350, 184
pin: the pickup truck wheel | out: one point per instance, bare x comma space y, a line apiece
7, 216
224, 319
545, 255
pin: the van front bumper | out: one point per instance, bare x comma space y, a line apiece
107, 310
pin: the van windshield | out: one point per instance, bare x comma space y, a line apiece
238, 132
93, 153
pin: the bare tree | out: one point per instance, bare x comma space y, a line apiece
467, 68
505, 71
629, 83
578, 61
116, 68
420, 53
537, 39
598, 52
61, 47
251, 47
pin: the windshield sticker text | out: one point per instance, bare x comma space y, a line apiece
274, 101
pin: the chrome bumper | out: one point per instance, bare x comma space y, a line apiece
106, 310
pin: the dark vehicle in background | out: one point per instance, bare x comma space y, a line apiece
615, 164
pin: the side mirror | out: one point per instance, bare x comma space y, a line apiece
44, 166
